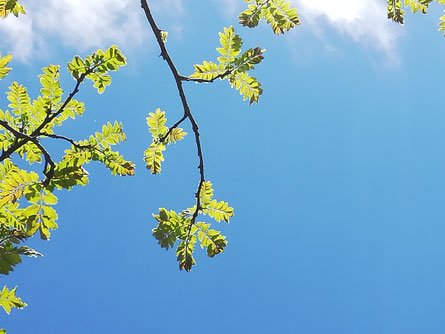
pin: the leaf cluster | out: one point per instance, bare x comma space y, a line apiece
180, 228
96, 66
98, 148
161, 136
10, 6
277, 13
9, 300
233, 65
4, 61
27, 200
396, 12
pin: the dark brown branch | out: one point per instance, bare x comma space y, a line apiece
50, 166
174, 126
48, 170
54, 136
16, 133
187, 112
49, 117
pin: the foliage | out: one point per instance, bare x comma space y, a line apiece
180, 228
27, 199
396, 10
278, 13
161, 134
9, 300
233, 65
10, 6
4, 61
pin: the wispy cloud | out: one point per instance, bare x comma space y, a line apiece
364, 21
86, 24
82, 24
230, 7
16, 38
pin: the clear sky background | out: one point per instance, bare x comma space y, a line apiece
336, 176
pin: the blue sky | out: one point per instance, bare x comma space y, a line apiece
336, 177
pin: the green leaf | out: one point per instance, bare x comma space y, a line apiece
68, 173
50, 198
230, 46
153, 157
156, 123
10, 6
219, 211
278, 13
248, 86
3, 62
96, 66
185, 254
418, 5
395, 11
30, 152
251, 16
20, 101
14, 185
281, 16
51, 91
165, 232
249, 59
210, 239
206, 194
12, 222
10, 256
9, 300
114, 162
208, 70
175, 135
111, 134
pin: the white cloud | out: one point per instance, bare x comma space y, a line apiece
87, 24
230, 7
82, 24
16, 38
365, 21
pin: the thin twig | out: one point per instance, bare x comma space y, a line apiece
219, 76
54, 136
174, 126
49, 117
47, 171
187, 113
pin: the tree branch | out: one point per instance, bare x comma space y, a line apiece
174, 126
50, 116
187, 113
199, 80
47, 171
54, 136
